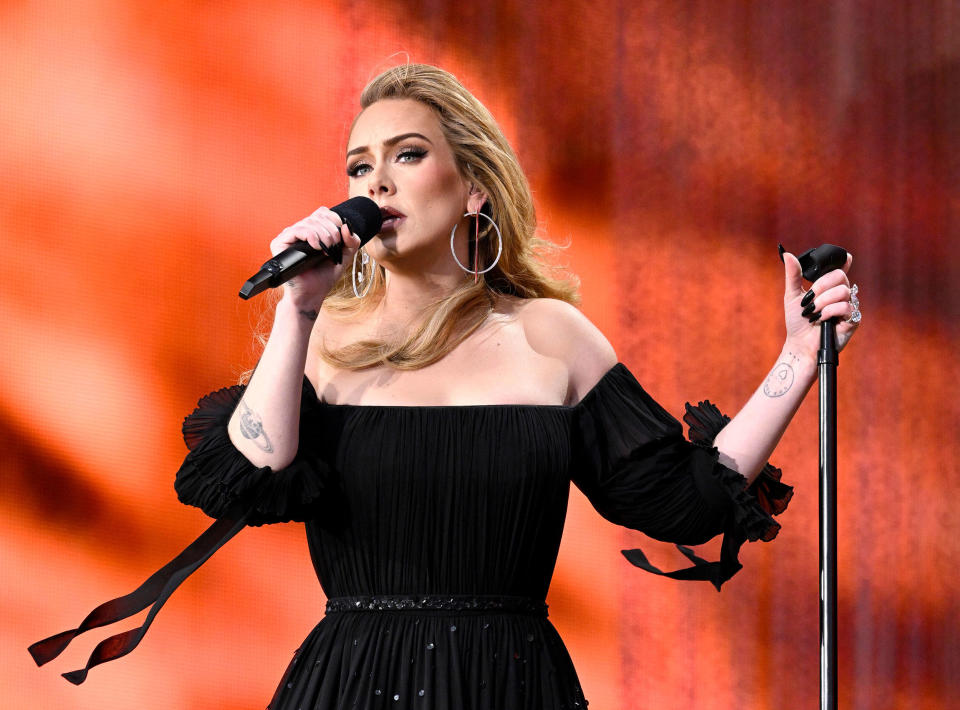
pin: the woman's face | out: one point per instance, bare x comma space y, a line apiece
398, 156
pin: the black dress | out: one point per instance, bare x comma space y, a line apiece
434, 532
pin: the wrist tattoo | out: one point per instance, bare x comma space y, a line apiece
252, 428
781, 378
310, 315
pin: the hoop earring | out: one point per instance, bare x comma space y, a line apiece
499, 243
357, 276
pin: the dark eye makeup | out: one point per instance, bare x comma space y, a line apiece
404, 155
408, 154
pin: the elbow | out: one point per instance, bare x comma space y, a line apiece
275, 460
281, 463
260, 449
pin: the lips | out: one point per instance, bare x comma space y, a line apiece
391, 218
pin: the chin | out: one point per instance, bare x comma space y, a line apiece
382, 247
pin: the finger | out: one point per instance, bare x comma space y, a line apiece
829, 280
846, 267
288, 234
793, 277
837, 294
285, 239
351, 241
325, 213
324, 225
347, 239
842, 310
327, 229
299, 232
846, 327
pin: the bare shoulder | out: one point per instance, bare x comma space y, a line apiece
560, 330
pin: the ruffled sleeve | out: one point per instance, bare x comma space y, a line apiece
221, 481
637, 469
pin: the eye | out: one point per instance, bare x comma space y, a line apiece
409, 155
357, 169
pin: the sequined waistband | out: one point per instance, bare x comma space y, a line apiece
440, 603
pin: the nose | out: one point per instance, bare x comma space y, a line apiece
380, 182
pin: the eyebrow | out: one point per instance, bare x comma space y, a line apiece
389, 142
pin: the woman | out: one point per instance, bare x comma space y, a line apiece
425, 411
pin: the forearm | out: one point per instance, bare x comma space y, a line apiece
265, 426
747, 441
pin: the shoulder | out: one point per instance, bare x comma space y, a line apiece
560, 330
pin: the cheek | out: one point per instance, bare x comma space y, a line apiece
446, 193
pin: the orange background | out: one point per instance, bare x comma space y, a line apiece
150, 151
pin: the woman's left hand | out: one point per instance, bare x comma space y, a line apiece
831, 299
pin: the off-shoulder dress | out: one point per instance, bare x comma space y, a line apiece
434, 532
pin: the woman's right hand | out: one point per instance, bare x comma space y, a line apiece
307, 290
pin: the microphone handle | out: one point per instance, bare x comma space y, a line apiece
292, 261
299, 257
362, 217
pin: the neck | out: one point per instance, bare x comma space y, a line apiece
407, 295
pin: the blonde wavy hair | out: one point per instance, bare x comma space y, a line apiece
486, 159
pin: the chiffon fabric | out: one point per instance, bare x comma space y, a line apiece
422, 520
434, 532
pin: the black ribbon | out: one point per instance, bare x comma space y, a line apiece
156, 590
714, 572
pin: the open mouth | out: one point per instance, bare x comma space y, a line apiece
391, 218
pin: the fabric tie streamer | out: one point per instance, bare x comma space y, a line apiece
156, 590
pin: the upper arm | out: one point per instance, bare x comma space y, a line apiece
558, 329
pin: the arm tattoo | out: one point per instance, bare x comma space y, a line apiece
252, 428
310, 315
780, 379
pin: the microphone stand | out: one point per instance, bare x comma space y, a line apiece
827, 360
813, 264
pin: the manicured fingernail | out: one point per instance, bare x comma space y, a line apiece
781, 250
815, 317
806, 299
808, 310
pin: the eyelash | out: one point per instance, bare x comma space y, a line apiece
416, 153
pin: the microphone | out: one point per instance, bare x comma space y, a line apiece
362, 216
817, 261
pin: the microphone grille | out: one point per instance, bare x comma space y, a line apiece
362, 215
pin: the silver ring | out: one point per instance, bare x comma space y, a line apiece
855, 302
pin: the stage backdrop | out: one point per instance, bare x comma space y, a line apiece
151, 150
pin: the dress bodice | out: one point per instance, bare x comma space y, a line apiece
442, 500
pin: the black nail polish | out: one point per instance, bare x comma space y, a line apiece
808, 310
781, 250
815, 317
807, 298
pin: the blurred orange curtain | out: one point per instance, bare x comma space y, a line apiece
150, 151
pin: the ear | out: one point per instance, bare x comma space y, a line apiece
475, 199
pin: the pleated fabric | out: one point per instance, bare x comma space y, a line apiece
219, 480
409, 660
469, 502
